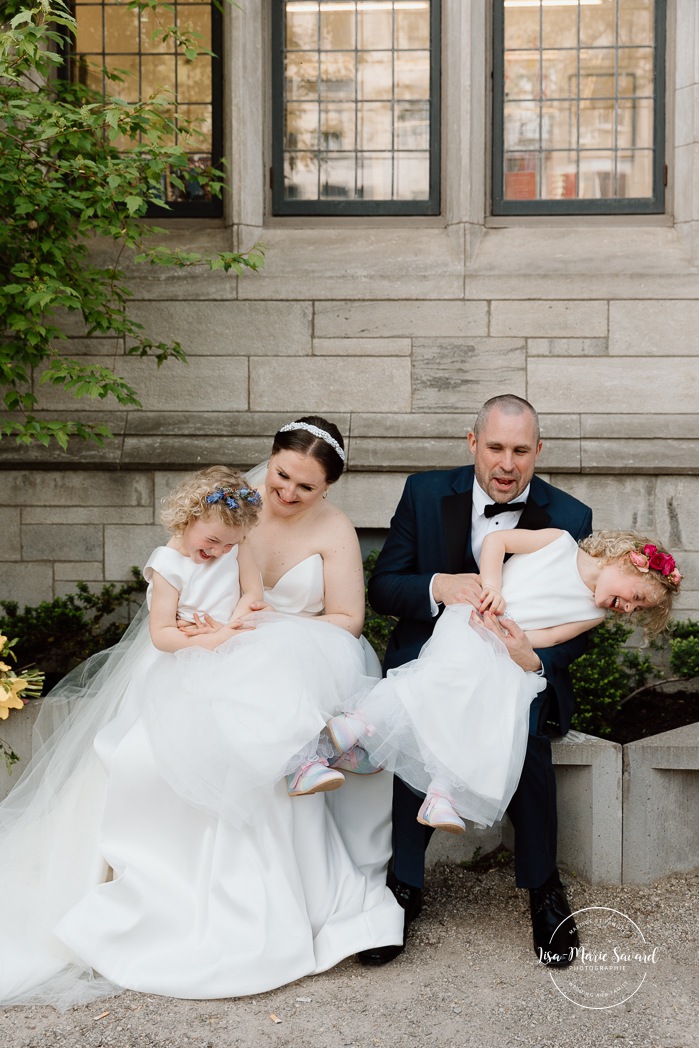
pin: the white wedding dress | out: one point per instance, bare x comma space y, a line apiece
459, 713
119, 869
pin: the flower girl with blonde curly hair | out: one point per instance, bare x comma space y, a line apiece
453, 722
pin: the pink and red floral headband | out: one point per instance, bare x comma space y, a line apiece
650, 558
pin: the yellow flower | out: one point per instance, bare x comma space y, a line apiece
9, 696
3, 641
3, 666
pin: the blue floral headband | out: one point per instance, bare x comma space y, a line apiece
233, 496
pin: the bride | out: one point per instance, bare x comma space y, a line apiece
118, 875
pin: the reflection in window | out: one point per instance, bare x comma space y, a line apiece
356, 106
578, 113
120, 51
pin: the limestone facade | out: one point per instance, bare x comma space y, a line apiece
398, 329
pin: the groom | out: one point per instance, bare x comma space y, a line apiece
430, 559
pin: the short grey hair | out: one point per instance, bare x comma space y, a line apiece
509, 404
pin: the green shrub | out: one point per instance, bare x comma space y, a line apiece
377, 628
605, 675
684, 655
58, 634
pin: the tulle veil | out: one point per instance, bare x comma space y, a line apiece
49, 821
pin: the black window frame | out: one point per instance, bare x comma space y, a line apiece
338, 207
212, 208
654, 204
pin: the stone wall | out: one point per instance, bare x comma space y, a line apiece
398, 329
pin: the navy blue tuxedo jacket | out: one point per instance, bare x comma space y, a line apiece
431, 532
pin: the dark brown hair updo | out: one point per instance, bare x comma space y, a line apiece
305, 443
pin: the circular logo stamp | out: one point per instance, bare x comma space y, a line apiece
611, 963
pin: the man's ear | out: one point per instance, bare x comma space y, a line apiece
472, 442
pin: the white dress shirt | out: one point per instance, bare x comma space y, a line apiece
482, 526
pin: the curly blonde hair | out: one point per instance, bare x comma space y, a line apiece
188, 500
616, 546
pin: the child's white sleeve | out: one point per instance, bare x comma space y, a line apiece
169, 564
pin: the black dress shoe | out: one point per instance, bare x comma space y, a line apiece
555, 938
410, 899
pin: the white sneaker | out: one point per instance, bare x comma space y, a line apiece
314, 776
438, 813
345, 731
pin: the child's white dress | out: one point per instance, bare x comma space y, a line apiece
115, 878
460, 711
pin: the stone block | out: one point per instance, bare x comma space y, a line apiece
661, 796
642, 427
369, 500
654, 329
90, 347
9, 529
26, 583
192, 453
562, 456
305, 386
407, 454
563, 426
447, 847
668, 275
378, 262
612, 383
16, 731
588, 787
76, 488
548, 320
677, 511
228, 328
127, 546
78, 571
567, 347
62, 542
361, 347
461, 374
639, 456
594, 261
79, 453
413, 425
87, 515
617, 502
412, 319
211, 383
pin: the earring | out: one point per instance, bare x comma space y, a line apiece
325, 494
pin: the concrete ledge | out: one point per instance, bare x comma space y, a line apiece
589, 786
16, 731
588, 782
661, 798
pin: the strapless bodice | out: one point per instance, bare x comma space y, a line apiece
300, 588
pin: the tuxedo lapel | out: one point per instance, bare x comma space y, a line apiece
534, 517
456, 515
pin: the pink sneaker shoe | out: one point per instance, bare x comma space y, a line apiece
314, 776
356, 760
345, 731
438, 813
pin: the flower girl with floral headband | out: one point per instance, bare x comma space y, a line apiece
453, 723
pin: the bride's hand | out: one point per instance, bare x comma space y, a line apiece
202, 624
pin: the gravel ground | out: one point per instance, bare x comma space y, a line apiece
468, 977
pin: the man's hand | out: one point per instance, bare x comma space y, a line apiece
457, 589
515, 640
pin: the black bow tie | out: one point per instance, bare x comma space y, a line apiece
494, 508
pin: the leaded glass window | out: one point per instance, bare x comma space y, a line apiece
116, 38
356, 107
578, 114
